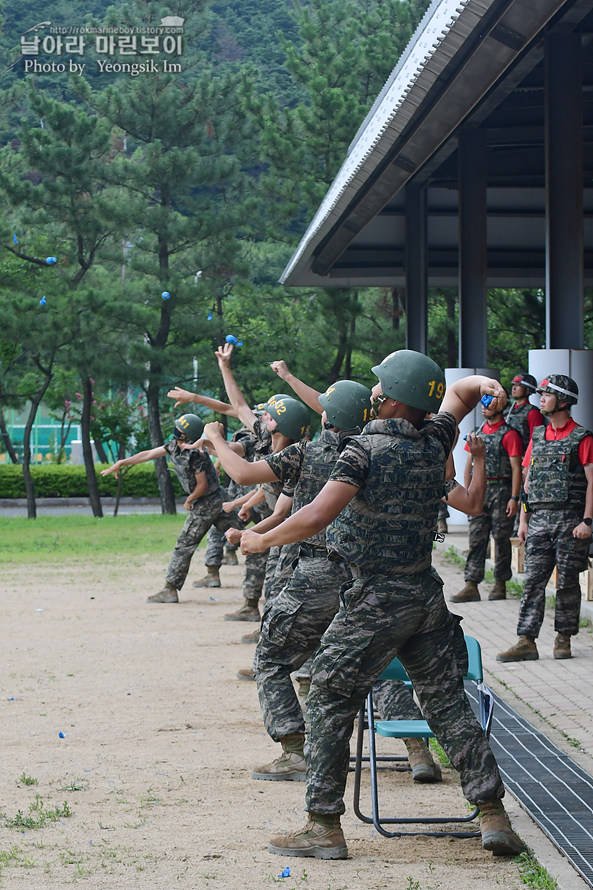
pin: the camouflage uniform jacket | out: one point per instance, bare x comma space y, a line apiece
556, 476
187, 463
271, 490
308, 466
516, 418
498, 464
400, 475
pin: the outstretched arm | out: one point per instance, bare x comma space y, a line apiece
239, 469
309, 395
307, 521
184, 397
463, 395
238, 402
139, 458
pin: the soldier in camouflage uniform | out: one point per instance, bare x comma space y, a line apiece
294, 620
258, 441
557, 523
521, 415
198, 479
382, 500
504, 450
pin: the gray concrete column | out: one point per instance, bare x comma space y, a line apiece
564, 193
472, 248
416, 271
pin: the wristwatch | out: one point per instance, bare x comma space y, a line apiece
515, 497
587, 520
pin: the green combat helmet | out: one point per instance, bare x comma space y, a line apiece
190, 426
526, 380
564, 388
292, 417
277, 398
412, 378
347, 404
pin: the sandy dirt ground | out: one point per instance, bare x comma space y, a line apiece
130, 717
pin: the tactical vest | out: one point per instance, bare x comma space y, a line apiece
516, 418
318, 461
388, 525
556, 476
498, 464
187, 463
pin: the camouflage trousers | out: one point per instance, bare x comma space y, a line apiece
255, 563
549, 543
381, 617
292, 625
279, 568
200, 519
215, 547
492, 520
393, 700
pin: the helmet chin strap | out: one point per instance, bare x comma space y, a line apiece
555, 409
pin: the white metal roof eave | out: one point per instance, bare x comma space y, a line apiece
441, 33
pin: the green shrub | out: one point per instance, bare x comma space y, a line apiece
64, 481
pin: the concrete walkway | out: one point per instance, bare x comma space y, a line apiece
555, 696
560, 693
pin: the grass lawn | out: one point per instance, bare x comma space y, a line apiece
53, 539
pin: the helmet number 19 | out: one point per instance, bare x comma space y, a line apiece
440, 390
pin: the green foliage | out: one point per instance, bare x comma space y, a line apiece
535, 875
38, 816
65, 539
65, 481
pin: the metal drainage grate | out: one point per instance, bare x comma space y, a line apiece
554, 790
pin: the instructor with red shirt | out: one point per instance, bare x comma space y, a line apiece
559, 510
504, 449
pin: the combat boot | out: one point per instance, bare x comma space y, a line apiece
499, 591
497, 833
167, 595
246, 674
290, 766
523, 650
469, 594
423, 767
562, 646
250, 638
212, 579
230, 558
320, 838
247, 612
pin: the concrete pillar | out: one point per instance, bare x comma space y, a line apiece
564, 192
416, 271
472, 248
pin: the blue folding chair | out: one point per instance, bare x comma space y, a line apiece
406, 729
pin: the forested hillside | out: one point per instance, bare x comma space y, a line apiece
154, 185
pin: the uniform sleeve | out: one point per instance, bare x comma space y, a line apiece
286, 464
513, 443
586, 450
445, 428
534, 418
352, 465
527, 458
169, 446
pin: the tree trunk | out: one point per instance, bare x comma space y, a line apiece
165, 485
101, 453
6, 440
87, 449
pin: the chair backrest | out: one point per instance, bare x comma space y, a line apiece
396, 671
